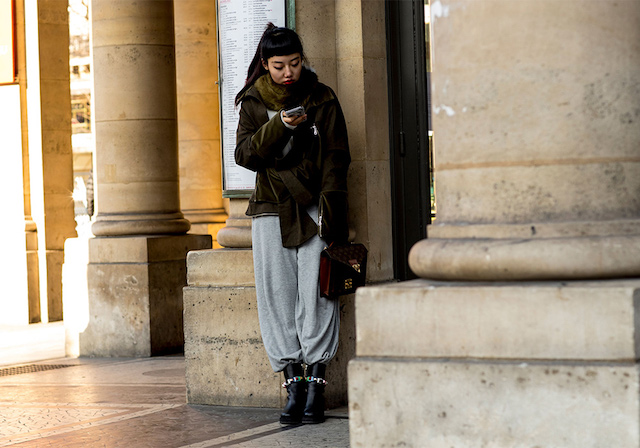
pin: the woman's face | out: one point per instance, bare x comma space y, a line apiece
284, 70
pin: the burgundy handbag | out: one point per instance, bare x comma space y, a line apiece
343, 268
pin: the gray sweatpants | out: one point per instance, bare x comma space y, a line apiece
297, 325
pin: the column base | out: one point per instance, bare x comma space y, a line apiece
33, 272
533, 251
54, 261
207, 222
235, 234
211, 216
125, 225
450, 403
135, 295
496, 364
226, 363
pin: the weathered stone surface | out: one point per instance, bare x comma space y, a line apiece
543, 321
198, 115
225, 359
132, 23
136, 119
222, 267
559, 187
226, 363
135, 294
118, 311
496, 364
444, 404
497, 160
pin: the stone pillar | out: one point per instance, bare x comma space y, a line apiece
536, 152
198, 115
537, 158
14, 274
361, 77
50, 171
135, 119
30, 227
137, 262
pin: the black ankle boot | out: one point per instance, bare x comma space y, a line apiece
296, 391
314, 409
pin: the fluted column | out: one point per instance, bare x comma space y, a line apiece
198, 115
537, 141
136, 119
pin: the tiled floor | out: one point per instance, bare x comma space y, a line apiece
26, 343
137, 403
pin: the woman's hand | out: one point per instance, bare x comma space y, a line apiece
294, 120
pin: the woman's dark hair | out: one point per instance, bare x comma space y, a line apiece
275, 41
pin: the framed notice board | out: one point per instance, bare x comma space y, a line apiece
240, 26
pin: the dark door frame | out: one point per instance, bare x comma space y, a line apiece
409, 119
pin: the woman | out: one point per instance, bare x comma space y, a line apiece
299, 206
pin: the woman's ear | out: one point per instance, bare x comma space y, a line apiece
264, 64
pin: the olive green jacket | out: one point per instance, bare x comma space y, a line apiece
313, 172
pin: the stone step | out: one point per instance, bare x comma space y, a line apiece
536, 320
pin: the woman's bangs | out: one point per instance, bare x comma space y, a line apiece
281, 44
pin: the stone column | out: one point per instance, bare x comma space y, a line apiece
135, 119
536, 154
361, 67
198, 115
30, 227
50, 171
537, 157
137, 264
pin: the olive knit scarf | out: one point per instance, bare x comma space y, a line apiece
277, 96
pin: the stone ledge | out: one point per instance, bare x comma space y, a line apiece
572, 321
444, 404
565, 229
145, 248
220, 267
226, 363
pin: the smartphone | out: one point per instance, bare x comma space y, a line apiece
294, 112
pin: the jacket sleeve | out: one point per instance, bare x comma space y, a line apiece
333, 205
257, 145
